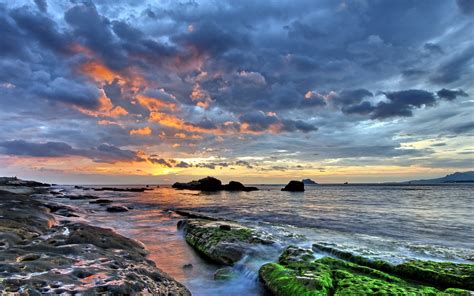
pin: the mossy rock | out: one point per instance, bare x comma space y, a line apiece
330, 276
440, 274
443, 274
220, 241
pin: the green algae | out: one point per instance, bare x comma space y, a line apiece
440, 274
443, 274
224, 243
296, 273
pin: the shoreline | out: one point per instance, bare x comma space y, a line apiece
119, 265
44, 251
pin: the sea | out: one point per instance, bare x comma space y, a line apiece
390, 222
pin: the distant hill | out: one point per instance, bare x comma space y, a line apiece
309, 182
464, 177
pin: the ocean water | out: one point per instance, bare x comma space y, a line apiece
394, 223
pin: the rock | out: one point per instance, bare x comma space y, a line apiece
222, 246
117, 209
442, 274
308, 182
79, 197
101, 201
295, 186
297, 272
225, 274
48, 257
187, 266
237, 186
212, 184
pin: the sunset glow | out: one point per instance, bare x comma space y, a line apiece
102, 92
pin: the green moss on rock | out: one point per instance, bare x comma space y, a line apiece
440, 274
298, 273
221, 241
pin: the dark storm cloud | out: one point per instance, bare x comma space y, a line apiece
71, 92
402, 103
451, 94
396, 104
40, 28
103, 153
466, 6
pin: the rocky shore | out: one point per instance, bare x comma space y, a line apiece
299, 272
43, 252
46, 248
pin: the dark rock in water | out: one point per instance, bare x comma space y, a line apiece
212, 184
298, 272
101, 201
221, 246
48, 257
117, 209
225, 274
187, 266
309, 182
295, 186
225, 227
237, 186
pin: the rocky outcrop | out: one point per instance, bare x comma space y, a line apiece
212, 184
40, 255
309, 182
295, 186
221, 241
298, 272
442, 274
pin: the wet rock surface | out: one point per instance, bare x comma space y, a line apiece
41, 255
298, 272
212, 184
221, 241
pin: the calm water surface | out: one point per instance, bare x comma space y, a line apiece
394, 223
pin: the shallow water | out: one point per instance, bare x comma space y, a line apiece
389, 222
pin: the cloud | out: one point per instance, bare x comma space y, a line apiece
466, 6
451, 94
103, 153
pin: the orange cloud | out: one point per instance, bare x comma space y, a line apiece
106, 108
146, 131
154, 104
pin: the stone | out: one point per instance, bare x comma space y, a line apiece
224, 246
117, 209
294, 186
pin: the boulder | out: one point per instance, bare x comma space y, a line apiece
237, 186
212, 184
295, 186
221, 241
117, 209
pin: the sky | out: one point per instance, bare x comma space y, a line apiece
258, 91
